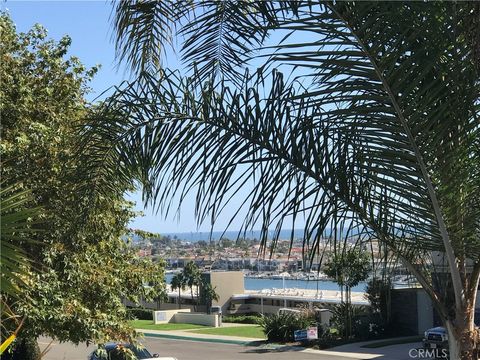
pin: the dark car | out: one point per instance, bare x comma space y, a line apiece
115, 351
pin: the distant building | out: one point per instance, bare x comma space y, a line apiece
145, 252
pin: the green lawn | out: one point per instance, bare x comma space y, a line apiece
149, 325
253, 331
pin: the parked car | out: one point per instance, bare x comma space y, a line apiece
116, 351
283, 311
436, 338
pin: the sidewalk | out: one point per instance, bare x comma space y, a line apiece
389, 352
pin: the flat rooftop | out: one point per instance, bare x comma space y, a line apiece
320, 296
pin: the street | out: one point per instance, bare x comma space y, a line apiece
192, 350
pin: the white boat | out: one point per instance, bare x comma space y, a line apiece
284, 275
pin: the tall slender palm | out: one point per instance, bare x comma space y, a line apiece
375, 133
208, 294
193, 278
178, 282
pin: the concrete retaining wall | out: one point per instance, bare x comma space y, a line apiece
166, 316
197, 318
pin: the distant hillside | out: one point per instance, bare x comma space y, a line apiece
232, 235
197, 236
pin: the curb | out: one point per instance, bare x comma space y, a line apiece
192, 338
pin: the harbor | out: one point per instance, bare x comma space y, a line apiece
266, 282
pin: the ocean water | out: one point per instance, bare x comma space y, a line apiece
259, 284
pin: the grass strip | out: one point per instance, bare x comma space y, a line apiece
149, 325
253, 331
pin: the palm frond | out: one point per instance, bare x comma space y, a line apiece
17, 223
298, 162
221, 35
143, 30
376, 136
217, 36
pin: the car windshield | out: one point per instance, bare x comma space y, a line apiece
120, 354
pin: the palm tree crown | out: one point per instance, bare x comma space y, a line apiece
375, 132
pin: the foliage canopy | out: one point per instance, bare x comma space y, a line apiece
83, 265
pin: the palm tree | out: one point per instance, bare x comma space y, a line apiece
193, 277
208, 294
17, 227
178, 282
375, 133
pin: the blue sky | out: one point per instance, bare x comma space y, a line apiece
88, 24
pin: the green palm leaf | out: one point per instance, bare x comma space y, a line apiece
376, 135
143, 30
16, 228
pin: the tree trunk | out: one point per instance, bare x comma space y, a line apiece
179, 299
193, 302
463, 336
348, 300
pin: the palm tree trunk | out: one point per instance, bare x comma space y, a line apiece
462, 337
193, 302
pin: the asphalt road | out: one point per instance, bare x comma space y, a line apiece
191, 350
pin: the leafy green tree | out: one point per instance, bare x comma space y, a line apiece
225, 243
374, 134
348, 268
179, 282
83, 267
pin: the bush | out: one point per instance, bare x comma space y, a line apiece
281, 327
368, 327
340, 315
139, 314
242, 319
23, 349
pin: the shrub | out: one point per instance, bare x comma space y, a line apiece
280, 327
378, 293
340, 315
23, 349
139, 314
242, 319
368, 327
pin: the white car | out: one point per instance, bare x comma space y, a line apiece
436, 338
116, 351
